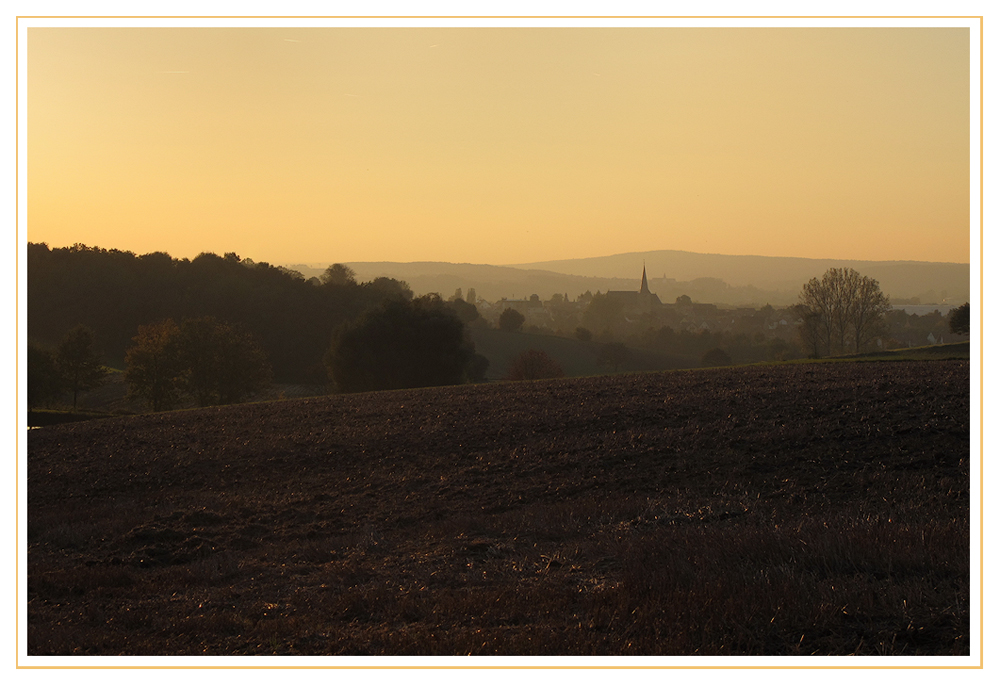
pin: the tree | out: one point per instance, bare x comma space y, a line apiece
78, 363
811, 330
867, 307
848, 311
339, 275
208, 361
534, 364
222, 363
583, 334
603, 313
391, 288
153, 369
403, 345
511, 320
465, 311
44, 382
613, 355
958, 320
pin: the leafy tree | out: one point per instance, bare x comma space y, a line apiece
391, 288
339, 275
465, 311
403, 345
153, 368
534, 364
78, 363
613, 355
716, 357
222, 363
206, 360
511, 320
849, 310
44, 382
603, 313
958, 320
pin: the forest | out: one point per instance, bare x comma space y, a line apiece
114, 292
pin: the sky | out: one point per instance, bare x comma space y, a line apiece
500, 145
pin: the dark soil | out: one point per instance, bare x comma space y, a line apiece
781, 510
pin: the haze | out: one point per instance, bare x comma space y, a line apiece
500, 146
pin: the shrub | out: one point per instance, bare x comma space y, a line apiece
716, 357
534, 364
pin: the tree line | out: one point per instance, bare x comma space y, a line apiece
113, 292
217, 330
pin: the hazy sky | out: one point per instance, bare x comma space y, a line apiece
495, 145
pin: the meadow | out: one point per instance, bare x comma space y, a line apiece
801, 509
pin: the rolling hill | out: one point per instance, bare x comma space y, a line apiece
726, 279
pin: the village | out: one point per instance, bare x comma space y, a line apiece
630, 316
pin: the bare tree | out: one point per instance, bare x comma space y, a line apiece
843, 312
867, 307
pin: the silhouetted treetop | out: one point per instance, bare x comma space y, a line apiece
403, 345
113, 292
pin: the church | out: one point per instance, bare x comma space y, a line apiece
641, 301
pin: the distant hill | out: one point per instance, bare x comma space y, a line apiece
725, 279
491, 282
937, 281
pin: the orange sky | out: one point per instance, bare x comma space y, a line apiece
497, 145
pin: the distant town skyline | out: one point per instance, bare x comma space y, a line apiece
501, 145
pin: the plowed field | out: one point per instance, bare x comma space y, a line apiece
784, 510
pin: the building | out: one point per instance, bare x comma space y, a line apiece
633, 302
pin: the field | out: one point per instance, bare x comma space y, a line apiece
768, 510
577, 358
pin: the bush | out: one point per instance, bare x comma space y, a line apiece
716, 357
534, 364
614, 355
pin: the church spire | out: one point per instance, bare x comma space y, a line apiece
645, 286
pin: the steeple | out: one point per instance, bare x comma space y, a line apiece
645, 286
